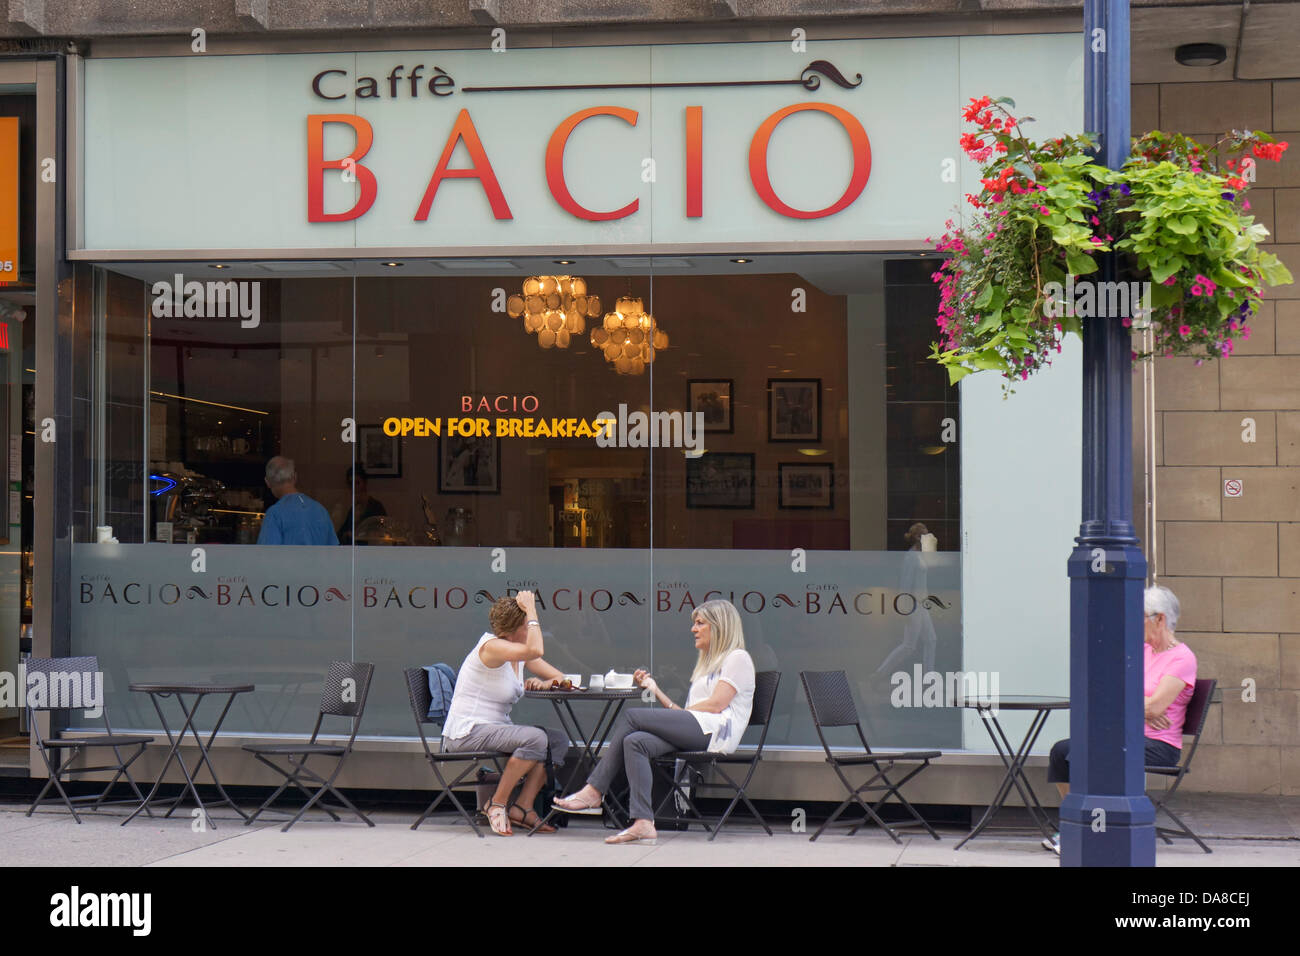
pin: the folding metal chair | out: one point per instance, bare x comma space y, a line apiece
347, 684
693, 764
1194, 722
831, 703
417, 690
59, 675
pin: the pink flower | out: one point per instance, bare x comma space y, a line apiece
1127, 323
1184, 330
1245, 331
1170, 281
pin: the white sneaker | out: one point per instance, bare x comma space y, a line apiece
1053, 844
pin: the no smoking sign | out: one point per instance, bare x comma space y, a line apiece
1232, 488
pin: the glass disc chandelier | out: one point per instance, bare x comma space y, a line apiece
629, 337
554, 308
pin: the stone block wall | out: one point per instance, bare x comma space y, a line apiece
1235, 562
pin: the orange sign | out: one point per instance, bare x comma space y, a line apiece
8, 199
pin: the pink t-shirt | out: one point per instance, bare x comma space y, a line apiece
1181, 663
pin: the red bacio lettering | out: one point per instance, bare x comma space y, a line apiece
330, 85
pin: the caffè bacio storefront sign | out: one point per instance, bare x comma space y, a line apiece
839, 144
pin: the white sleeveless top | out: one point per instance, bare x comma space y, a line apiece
484, 695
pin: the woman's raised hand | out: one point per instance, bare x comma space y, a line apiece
526, 601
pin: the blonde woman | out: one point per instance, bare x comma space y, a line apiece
714, 719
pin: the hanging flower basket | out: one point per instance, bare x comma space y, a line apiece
1021, 274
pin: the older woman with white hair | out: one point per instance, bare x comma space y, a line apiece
1169, 671
714, 719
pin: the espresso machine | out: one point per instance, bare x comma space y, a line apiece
186, 502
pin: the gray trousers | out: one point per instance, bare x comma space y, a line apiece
638, 736
518, 740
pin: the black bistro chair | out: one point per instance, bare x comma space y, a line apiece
417, 690
831, 703
347, 684
693, 764
58, 675
1193, 724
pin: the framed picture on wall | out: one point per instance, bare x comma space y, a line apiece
803, 485
379, 455
720, 480
469, 466
712, 396
794, 409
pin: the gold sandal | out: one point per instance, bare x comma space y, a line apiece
499, 818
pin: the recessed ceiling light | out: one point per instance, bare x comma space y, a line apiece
217, 265
1201, 54
394, 265
565, 262
742, 261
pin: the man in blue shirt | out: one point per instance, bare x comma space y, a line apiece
294, 518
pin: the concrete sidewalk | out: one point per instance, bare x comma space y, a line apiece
52, 838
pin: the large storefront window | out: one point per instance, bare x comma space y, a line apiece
789, 448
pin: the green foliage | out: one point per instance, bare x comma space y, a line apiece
1046, 209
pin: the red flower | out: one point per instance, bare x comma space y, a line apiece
1000, 183
975, 106
1271, 151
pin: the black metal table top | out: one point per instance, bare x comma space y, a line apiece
193, 688
1015, 702
627, 694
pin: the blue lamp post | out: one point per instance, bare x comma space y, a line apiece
1107, 819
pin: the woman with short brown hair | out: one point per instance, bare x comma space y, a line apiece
488, 684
